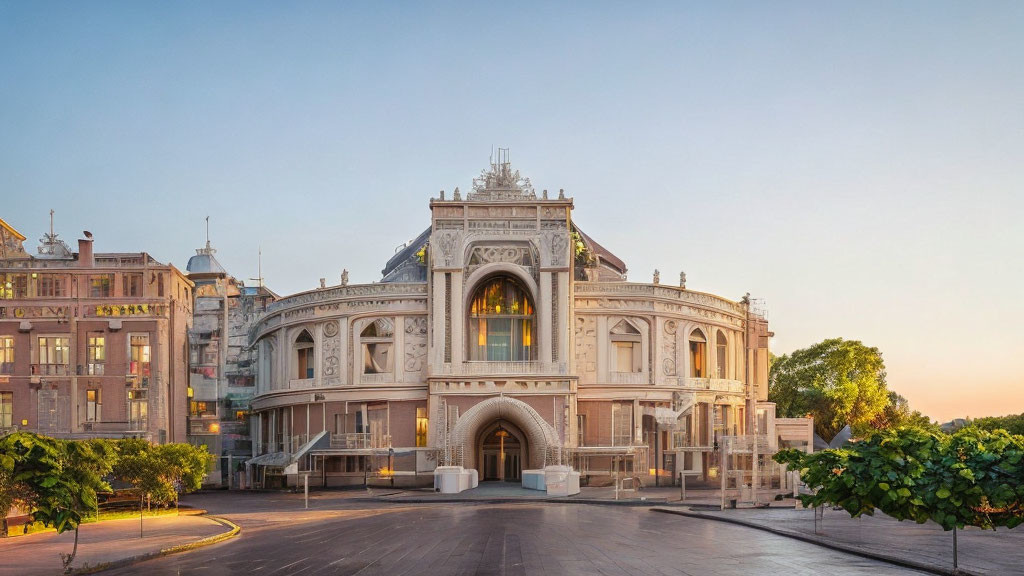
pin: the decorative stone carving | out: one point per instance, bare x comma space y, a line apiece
657, 277
559, 244
487, 254
344, 277
415, 343
332, 354
682, 279
501, 183
446, 242
586, 345
669, 348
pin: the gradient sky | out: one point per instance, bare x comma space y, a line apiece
858, 165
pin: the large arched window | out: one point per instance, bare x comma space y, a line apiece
502, 323
698, 354
304, 355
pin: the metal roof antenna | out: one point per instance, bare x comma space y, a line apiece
259, 266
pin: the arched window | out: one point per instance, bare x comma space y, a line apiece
626, 355
698, 353
304, 357
377, 339
501, 322
721, 345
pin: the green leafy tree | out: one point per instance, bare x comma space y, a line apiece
62, 477
161, 471
837, 381
897, 413
972, 478
1014, 423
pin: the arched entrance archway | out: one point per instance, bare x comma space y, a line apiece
539, 436
501, 450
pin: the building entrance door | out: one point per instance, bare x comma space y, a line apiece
502, 455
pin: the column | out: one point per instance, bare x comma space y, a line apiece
544, 316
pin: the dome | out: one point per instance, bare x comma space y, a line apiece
204, 262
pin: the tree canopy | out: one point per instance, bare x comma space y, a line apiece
837, 381
1014, 423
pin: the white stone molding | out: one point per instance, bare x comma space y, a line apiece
541, 434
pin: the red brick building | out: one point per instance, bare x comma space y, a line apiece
92, 344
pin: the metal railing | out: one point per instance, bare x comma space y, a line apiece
473, 368
359, 440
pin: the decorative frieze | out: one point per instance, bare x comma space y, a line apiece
332, 361
510, 387
415, 344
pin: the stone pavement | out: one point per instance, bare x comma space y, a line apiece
926, 545
101, 543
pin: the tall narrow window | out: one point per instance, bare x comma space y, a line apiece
131, 284
622, 423
160, 285
6, 409
96, 353
100, 285
721, 346
625, 340
502, 323
139, 355
377, 340
698, 354
138, 409
304, 357
6, 354
92, 405
421, 427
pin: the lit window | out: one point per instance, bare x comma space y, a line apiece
97, 355
501, 322
421, 427
100, 285
54, 354
139, 355
92, 405
697, 354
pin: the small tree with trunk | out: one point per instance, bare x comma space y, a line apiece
59, 477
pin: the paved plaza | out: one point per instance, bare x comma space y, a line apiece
337, 537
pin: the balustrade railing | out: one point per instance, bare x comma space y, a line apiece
359, 440
50, 370
474, 368
628, 378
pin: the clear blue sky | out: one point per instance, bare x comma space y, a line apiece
858, 165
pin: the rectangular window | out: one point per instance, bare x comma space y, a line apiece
92, 405
697, 359
305, 360
622, 423
581, 428
138, 410
6, 354
131, 285
13, 286
721, 359
200, 408
100, 285
139, 357
54, 355
6, 409
421, 427
51, 286
96, 353
160, 285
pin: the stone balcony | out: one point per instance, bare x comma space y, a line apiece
485, 368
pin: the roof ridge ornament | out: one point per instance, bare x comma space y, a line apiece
501, 183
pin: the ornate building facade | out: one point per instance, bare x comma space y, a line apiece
503, 338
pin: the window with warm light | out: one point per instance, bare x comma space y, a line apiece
96, 354
502, 323
421, 427
139, 355
100, 285
92, 405
698, 346
54, 351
